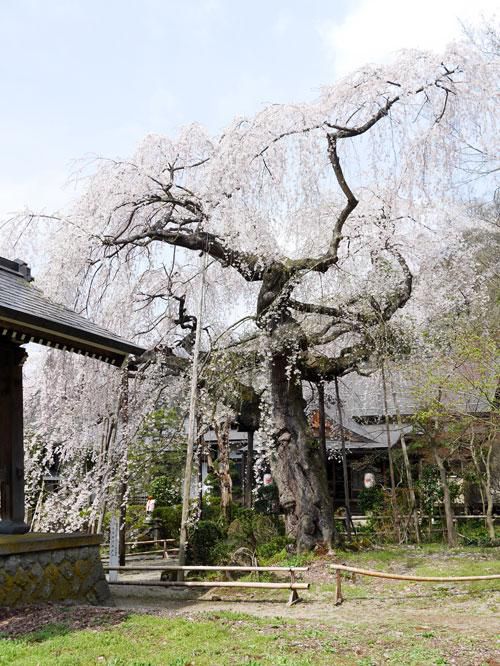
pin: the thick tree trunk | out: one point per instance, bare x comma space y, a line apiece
406, 459
226, 484
297, 464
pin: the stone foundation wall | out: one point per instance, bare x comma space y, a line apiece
51, 567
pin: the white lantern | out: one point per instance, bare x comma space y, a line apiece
369, 480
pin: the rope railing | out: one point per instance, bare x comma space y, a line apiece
338, 568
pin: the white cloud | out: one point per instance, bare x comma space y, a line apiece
375, 29
282, 23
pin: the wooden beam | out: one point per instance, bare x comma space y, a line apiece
213, 583
12, 357
174, 567
416, 579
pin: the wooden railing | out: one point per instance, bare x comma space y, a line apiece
338, 568
292, 585
164, 550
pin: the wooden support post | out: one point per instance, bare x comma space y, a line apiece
338, 587
12, 357
347, 493
294, 595
293, 598
249, 471
192, 427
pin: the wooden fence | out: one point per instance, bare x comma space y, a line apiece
338, 568
293, 585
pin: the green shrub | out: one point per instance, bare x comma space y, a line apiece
272, 547
164, 491
170, 519
251, 529
371, 499
222, 553
267, 500
211, 509
203, 539
135, 520
284, 559
474, 533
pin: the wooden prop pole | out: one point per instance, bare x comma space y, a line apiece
188, 471
415, 579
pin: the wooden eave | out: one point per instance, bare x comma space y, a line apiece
26, 315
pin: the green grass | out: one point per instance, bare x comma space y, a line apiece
398, 553
143, 640
219, 639
430, 560
283, 559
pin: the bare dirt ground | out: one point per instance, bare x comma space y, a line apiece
17, 622
458, 612
446, 605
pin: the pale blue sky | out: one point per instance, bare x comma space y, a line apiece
80, 77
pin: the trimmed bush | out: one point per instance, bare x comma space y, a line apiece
267, 500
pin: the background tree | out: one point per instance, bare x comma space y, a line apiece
459, 420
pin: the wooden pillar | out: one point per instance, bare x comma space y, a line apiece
322, 423
200, 478
12, 357
347, 493
122, 497
249, 471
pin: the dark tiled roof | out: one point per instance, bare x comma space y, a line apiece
26, 315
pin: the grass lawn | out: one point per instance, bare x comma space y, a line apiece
225, 638
381, 623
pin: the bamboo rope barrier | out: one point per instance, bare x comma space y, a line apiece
292, 585
173, 567
415, 579
220, 583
